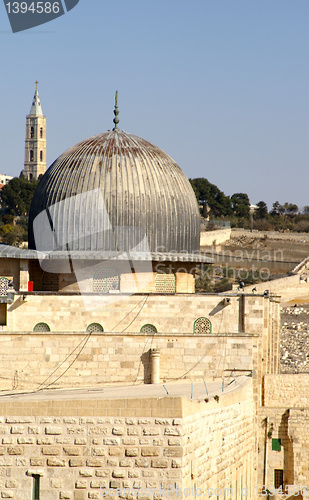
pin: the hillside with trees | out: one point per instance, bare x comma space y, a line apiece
214, 204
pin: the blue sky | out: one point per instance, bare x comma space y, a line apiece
220, 85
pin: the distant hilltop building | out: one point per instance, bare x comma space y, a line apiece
4, 179
35, 143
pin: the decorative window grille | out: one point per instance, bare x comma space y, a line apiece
278, 478
202, 325
165, 281
4, 285
148, 329
95, 327
41, 327
50, 282
106, 279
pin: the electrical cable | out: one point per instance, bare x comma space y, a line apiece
146, 298
85, 339
122, 319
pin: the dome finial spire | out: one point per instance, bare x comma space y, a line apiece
116, 112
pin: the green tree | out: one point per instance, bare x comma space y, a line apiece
16, 196
262, 211
291, 208
241, 204
210, 196
276, 209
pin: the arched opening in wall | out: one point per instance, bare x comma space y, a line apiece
41, 133
106, 279
95, 327
41, 327
32, 133
31, 155
4, 285
30, 177
41, 155
202, 325
50, 282
165, 281
148, 328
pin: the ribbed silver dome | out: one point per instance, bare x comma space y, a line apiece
142, 189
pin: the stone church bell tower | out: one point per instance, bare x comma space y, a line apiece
35, 143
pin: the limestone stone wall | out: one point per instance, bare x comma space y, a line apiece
287, 390
298, 433
284, 417
128, 313
274, 424
83, 360
220, 450
243, 337
80, 447
210, 238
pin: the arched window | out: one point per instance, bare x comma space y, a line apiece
41, 155
106, 279
95, 327
202, 325
31, 155
41, 327
148, 329
32, 133
30, 177
4, 285
41, 133
165, 281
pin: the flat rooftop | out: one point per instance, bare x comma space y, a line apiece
196, 391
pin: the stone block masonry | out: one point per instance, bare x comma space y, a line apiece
79, 447
108, 358
243, 337
287, 390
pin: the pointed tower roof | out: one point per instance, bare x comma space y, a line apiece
36, 108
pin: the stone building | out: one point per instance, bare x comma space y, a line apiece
35, 143
166, 389
4, 179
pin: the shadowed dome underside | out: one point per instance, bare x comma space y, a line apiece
108, 192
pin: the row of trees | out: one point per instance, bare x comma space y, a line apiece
216, 205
